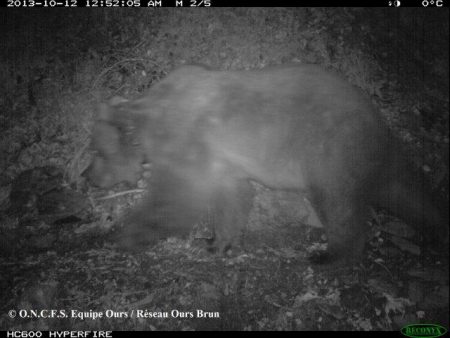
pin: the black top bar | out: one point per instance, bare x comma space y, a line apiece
224, 3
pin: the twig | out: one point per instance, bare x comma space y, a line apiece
121, 193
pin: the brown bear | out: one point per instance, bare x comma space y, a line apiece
300, 128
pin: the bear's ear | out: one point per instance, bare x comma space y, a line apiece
105, 110
116, 100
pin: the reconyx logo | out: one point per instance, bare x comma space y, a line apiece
423, 330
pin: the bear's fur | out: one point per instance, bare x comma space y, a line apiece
301, 128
